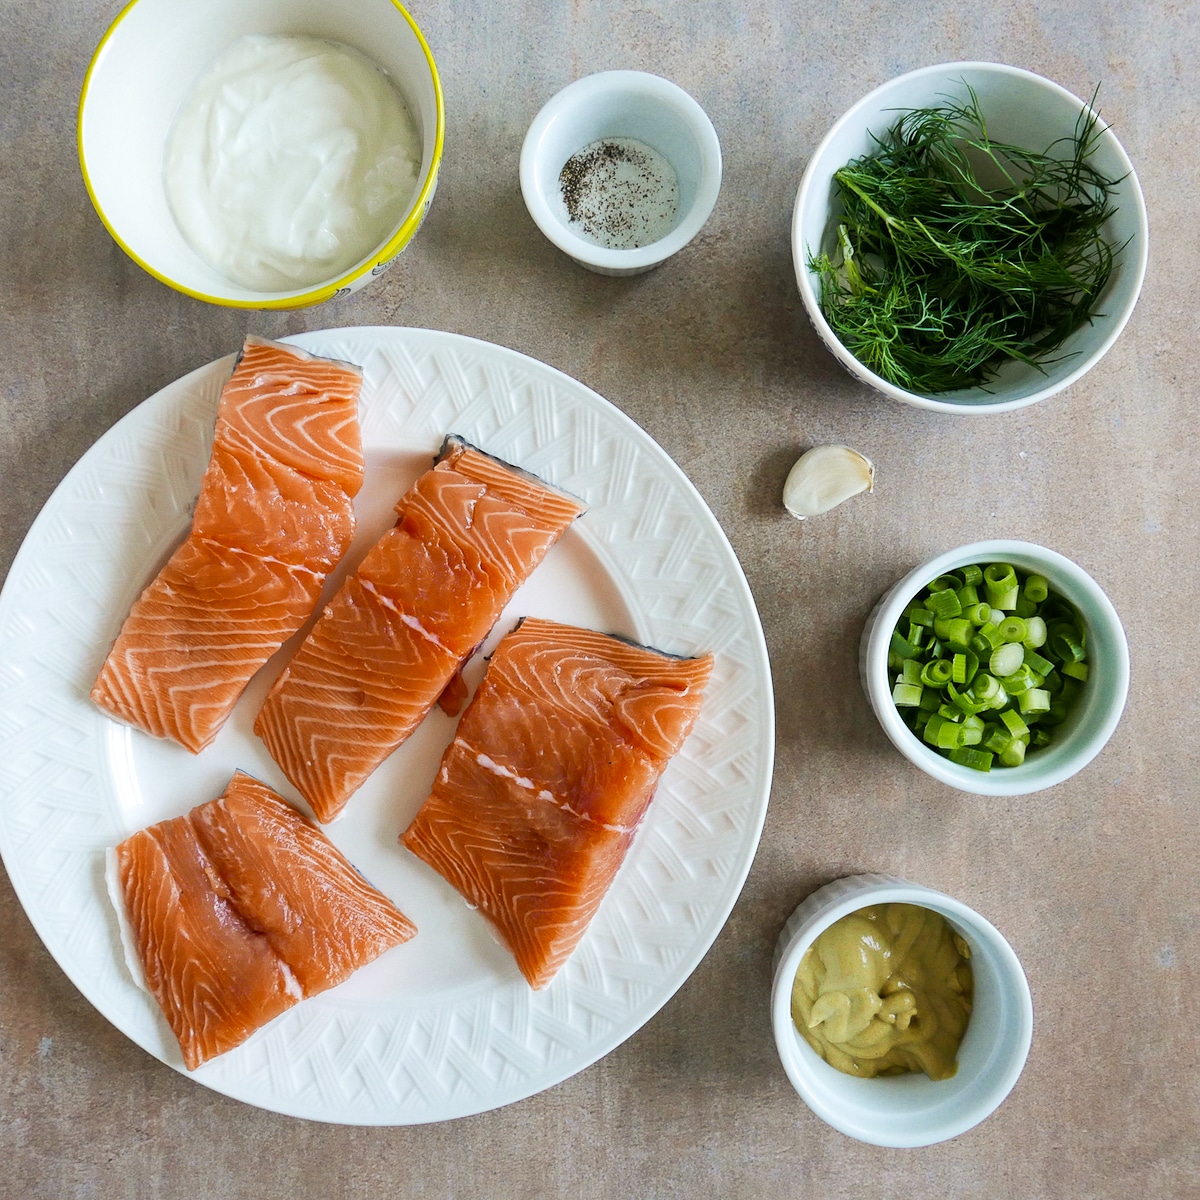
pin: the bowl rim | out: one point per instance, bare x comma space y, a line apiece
581, 92
1139, 248
848, 894
302, 298
1011, 781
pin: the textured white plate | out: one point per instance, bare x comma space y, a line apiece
445, 1025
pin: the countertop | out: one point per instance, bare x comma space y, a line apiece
1093, 882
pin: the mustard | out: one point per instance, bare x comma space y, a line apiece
884, 991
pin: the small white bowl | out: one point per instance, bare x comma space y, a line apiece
621, 104
148, 62
908, 1110
1020, 108
1092, 719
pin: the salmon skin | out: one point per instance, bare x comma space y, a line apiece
549, 775
241, 909
396, 635
273, 518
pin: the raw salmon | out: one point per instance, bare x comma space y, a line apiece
396, 635
241, 909
553, 766
273, 518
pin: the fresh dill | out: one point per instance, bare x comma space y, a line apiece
956, 252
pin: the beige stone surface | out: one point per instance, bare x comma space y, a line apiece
1094, 882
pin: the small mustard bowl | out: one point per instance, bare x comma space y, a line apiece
147, 63
908, 1110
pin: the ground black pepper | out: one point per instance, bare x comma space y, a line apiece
620, 192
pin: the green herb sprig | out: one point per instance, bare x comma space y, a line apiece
956, 252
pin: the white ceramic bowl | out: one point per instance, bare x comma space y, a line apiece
1092, 719
908, 1110
621, 104
1023, 109
147, 63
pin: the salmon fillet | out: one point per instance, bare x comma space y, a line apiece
273, 518
469, 532
241, 909
553, 766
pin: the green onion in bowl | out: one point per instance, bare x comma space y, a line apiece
981, 681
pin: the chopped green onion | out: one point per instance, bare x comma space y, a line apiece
956, 632
1013, 755
965, 756
987, 688
1035, 637
989, 652
932, 726
1036, 588
903, 647
1013, 629
978, 614
944, 604
937, 673
1035, 662
1013, 723
1021, 680
1000, 585
964, 700
949, 736
998, 741
990, 633
942, 582
1005, 660
1067, 645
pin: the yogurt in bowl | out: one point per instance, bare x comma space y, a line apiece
156, 55
290, 160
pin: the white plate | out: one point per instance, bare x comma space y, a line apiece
445, 1025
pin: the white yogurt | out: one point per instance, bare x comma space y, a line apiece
289, 161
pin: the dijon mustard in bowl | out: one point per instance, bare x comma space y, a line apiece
907, 1109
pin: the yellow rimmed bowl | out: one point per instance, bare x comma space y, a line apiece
147, 63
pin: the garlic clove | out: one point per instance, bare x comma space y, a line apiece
825, 476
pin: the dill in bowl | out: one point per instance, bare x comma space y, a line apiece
955, 252
986, 662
